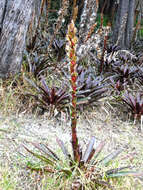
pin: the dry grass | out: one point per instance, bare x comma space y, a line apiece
106, 121
104, 125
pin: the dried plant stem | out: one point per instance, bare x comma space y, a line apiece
88, 16
33, 40
41, 10
103, 53
105, 2
136, 30
63, 12
48, 6
74, 11
74, 6
104, 47
90, 32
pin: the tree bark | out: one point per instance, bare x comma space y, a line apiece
124, 23
15, 16
130, 23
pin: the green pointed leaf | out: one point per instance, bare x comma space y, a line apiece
83, 100
33, 166
37, 168
116, 170
89, 149
39, 147
111, 156
126, 173
98, 150
53, 153
41, 157
63, 148
31, 83
67, 172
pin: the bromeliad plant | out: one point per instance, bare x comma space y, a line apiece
139, 75
90, 88
46, 97
118, 86
88, 163
35, 65
134, 103
125, 73
92, 168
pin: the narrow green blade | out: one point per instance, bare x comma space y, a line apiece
83, 100
116, 170
63, 148
53, 153
43, 149
43, 158
67, 172
89, 149
126, 173
98, 150
111, 156
37, 168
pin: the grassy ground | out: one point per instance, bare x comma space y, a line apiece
102, 122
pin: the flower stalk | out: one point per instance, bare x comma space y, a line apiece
71, 51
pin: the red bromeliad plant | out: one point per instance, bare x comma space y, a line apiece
71, 48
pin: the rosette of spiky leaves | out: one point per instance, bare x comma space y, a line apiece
46, 96
134, 103
35, 64
53, 95
90, 88
89, 162
125, 73
59, 47
109, 61
118, 85
107, 65
139, 75
140, 79
111, 49
71, 52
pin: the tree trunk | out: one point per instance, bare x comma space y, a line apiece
124, 23
130, 23
15, 16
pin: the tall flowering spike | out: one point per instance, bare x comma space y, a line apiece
71, 52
